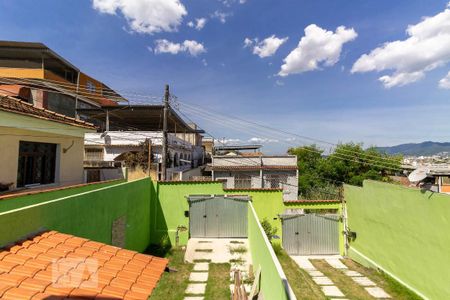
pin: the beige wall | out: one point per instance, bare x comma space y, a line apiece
69, 165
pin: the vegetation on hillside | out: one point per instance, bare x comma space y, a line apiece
322, 176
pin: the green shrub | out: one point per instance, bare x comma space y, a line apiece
268, 229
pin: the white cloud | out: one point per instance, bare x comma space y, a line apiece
279, 83
145, 16
204, 62
426, 48
258, 140
221, 16
316, 47
266, 47
444, 83
194, 48
199, 23
226, 141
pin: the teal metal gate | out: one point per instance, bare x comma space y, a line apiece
218, 216
311, 234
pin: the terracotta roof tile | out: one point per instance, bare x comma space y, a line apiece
41, 268
17, 106
19, 293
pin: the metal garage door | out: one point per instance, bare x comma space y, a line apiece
217, 217
311, 234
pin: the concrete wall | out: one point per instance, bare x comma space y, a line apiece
69, 164
171, 204
403, 231
273, 282
89, 214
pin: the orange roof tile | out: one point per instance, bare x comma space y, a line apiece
65, 266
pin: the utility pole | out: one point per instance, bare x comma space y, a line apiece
164, 139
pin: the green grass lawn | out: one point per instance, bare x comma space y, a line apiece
390, 285
218, 285
300, 281
173, 284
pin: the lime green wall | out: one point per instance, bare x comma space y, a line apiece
25, 200
169, 207
403, 231
89, 214
273, 282
171, 203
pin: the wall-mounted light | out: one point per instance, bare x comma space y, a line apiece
68, 148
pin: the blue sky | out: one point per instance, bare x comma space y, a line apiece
337, 100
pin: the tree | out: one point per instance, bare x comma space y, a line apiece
321, 176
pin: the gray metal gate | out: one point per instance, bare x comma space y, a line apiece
218, 216
311, 234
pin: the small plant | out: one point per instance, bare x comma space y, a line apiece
277, 248
204, 250
238, 249
236, 242
268, 229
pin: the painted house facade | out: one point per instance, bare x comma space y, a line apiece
256, 172
39, 147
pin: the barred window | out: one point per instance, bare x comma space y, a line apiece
275, 181
242, 181
93, 154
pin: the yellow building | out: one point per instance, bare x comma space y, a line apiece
55, 83
39, 147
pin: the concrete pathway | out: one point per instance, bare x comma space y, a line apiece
204, 251
325, 283
360, 279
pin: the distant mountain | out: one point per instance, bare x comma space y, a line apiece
425, 148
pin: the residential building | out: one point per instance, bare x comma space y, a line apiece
38, 75
256, 172
39, 147
104, 153
131, 125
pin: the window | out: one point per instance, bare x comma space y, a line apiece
242, 181
446, 180
90, 86
95, 154
37, 163
274, 181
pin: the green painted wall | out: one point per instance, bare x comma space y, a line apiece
25, 200
89, 214
171, 203
273, 283
403, 231
169, 207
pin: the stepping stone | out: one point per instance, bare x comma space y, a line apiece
363, 281
201, 267
304, 263
196, 288
314, 273
322, 280
331, 291
194, 298
352, 273
198, 277
377, 292
336, 263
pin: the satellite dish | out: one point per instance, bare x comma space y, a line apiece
418, 174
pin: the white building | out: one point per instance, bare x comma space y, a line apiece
262, 171
103, 151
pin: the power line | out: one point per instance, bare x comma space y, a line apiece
271, 129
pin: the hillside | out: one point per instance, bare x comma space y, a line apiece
425, 148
